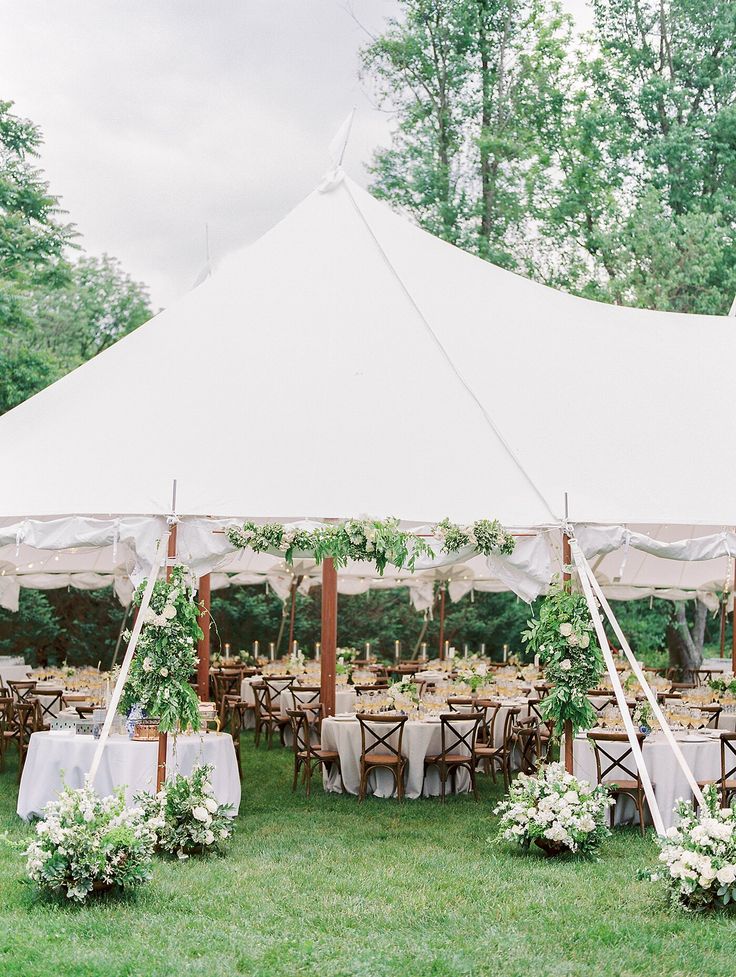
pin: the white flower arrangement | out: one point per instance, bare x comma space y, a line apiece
186, 814
296, 663
698, 857
86, 845
556, 811
404, 695
473, 673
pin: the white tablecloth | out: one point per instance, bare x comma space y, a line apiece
124, 762
421, 737
702, 754
345, 698
14, 673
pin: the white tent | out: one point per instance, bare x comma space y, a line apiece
348, 362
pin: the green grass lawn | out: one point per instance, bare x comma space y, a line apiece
331, 888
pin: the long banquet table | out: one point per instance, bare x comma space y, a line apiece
58, 758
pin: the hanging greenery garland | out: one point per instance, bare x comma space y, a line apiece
562, 636
378, 541
166, 655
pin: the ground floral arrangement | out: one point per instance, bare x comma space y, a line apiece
562, 636
86, 844
556, 811
166, 656
378, 541
187, 816
698, 857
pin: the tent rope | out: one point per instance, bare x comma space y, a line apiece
448, 359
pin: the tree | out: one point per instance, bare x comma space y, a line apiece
475, 87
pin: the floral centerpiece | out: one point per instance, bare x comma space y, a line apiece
296, 663
556, 811
187, 816
698, 857
86, 845
342, 669
723, 685
562, 636
348, 655
166, 656
473, 673
404, 696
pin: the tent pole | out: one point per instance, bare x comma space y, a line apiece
163, 738
723, 630
733, 618
203, 645
567, 584
329, 636
442, 621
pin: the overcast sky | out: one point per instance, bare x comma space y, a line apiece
161, 116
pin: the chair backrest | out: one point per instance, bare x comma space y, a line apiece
304, 721
728, 756
610, 760
226, 681
376, 687
714, 714
304, 695
376, 733
459, 703
49, 701
528, 743
459, 732
261, 699
27, 718
6, 712
21, 691
490, 709
276, 684
601, 702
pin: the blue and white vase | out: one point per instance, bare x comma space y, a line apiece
137, 712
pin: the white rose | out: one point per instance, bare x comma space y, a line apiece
224, 833
164, 671
573, 641
208, 838
147, 664
201, 814
211, 804
566, 665
169, 612
565, 629
585, 641
726, 875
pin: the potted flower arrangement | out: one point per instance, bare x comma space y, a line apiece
562, 636
698, 857
556, 811
186, 814
86, 845
166, 656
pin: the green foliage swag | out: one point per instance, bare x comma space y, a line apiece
378, 541
562, 635
166, 655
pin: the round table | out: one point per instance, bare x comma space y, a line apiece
702, 754
421, 737
57, 758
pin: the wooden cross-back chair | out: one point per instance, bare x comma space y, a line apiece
21, 690
528, 745
487, 752
306, 723
49, 702
459, 732
26, 721
225, 682
268, 715
727, 781
609, 764
304, 695
7, 729
377, 752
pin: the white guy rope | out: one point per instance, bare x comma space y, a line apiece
617, 688
124, 668
651, 697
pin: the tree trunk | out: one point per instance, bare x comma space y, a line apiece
685, 644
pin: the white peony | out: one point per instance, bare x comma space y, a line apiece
565, 629
201, 814
566, 665
147, 664
585, 641
169, 612
573, 641
164, 671
209, 838
211, 804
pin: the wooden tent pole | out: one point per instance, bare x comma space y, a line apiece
567, 584
203, 645
163, 738
329, 636
442, 621
733, 618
